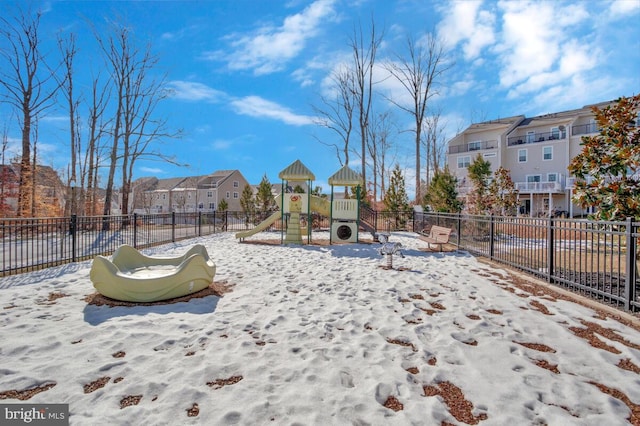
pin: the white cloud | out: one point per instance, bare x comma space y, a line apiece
624, 7
464, 23
192, 91
256, 106
269, 48
536, 49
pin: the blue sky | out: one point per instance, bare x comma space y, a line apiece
245, 74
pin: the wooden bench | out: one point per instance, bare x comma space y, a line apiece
438, 235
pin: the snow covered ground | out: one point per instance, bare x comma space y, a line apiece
320, 335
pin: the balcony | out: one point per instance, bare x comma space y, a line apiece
473, 146
584, 129
536, 138
540, 187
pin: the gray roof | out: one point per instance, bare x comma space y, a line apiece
296, 171
346, 177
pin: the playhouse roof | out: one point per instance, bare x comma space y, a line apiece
296, 171
345, 177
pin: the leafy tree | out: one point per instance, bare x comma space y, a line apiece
396, 199
247, 203
479, 173
442, 195
264, 197
608, 168
223, 206
503, 193
298, 189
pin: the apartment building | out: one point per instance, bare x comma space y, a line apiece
188, 194
537, 152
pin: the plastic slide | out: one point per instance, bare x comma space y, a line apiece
261, 226
320, 205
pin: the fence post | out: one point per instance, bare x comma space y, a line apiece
135, 230
73, 224
173, 227
226, 221
459, 230
630, 279
199, 224
550, 250
491, 235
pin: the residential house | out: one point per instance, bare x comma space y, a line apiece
536, 151
188, 194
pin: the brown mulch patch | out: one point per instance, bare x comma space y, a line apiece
413, 370
193, 411
219, 383
454, 399
393, 404
305, 241
119, 354
51, 298
473, 316
494, 311
118, 379
429, 312
437, 305
96, 384
432, 361
634, 419
402, 343
215, 289
607, 333
626, 364
547, 365
25, 394
130, 400
540, 307
536, 346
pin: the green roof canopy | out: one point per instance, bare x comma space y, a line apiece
296, 171
345, 177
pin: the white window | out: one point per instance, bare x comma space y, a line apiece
531, 137
212, 206
555, 133
552, 177
200, 206
464, 162
209, 194
474, 146
547, 153
164, 196
236, 184
228, 194
235, 195
522, 156
534, 178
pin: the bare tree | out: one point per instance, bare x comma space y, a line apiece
418, 74
31, 89
100, 94
364, 56
434, 144
337, 114
68, 51
137, 94
379, 145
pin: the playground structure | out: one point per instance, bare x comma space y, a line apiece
131, 276
343, 213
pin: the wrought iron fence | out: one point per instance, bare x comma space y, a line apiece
596, 259
599, 260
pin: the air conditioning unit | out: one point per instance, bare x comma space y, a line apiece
344, 232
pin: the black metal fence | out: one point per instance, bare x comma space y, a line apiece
596, 259
599, 260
